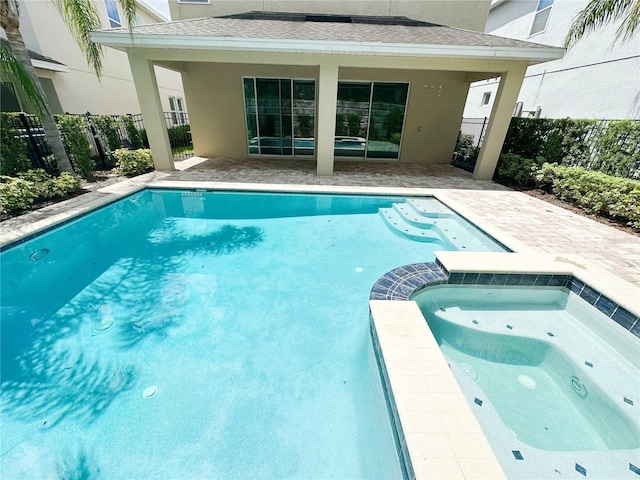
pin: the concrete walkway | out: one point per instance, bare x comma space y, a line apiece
544, 227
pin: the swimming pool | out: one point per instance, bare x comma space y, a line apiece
204, 334
552, 381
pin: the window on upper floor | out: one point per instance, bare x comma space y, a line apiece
543, 10
176, 106
486, 96
112, 13
136, 20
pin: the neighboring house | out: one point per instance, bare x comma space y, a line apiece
326, 87
70, 85
595, 79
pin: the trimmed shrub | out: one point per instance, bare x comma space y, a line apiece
61, 186
74, 131
16, 194
595, 192
517, 171
34, 186
133, 162
465, 142
13, 149
618, 149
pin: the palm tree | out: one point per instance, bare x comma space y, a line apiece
81, 17
600, 12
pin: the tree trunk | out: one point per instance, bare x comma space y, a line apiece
11, 25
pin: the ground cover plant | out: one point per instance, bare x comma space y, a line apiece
34, 187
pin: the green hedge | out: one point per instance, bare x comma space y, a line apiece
32, 187
13, 149
74, 133
595, 192
612, 147
516, 171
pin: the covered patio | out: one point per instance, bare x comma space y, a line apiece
324, 88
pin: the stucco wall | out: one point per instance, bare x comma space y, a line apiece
469, 14
595, 79
214, 94
79, 90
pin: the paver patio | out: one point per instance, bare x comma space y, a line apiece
544, 227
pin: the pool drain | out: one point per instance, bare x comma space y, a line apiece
103, 325
578, 386
469, 370
526, 381
149, 391
38, 254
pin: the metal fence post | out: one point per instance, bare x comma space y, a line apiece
37, 153
484, 123
96, 140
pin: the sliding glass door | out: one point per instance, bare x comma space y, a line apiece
388, 105
352, 119
369, 119
280, 116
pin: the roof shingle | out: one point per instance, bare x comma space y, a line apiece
323, 28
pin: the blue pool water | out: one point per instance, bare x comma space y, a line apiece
547, 375
180, 334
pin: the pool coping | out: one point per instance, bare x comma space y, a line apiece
439, 435
436, 433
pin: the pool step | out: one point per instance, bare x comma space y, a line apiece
428, 222
399, 225
428, 207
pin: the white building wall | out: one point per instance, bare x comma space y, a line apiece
593, 80
79, 90
468, 14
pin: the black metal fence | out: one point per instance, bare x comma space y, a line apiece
611, 146
105, 133
472, 132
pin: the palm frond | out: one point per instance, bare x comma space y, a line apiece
630, 24
81, 17
10, 64
600, 12
129, 9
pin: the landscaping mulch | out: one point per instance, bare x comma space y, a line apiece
550, 198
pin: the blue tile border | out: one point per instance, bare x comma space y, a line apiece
404, 282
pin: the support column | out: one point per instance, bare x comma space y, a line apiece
326, 118
501, 114
144, 79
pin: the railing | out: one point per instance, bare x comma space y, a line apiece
124, 131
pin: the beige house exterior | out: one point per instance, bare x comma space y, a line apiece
403, 82
69, 83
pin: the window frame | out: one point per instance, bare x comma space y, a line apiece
293, 154
546, 10
113, 22
486, 98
